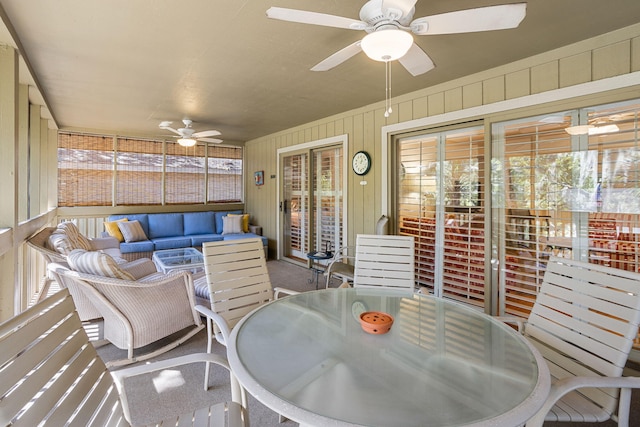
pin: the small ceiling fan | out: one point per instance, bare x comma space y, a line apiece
187, 136
389, 24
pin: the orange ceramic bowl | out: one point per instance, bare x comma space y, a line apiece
376, 322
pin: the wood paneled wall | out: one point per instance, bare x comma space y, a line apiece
613, 54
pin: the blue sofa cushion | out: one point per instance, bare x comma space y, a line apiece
199, 223
265, 241
165, 225
171, 243
199, 239
144, 246
219, 216
143, 219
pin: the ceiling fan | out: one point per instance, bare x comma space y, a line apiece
187, 136
389, 24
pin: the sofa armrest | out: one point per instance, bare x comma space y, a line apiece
255, 229
99, 243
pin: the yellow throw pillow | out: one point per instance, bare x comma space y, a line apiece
113, 230
245, 221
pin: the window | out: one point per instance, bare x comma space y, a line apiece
145, 172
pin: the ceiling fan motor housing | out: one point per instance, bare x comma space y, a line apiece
373, 14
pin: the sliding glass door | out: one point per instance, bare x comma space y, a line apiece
564, 184
439, 202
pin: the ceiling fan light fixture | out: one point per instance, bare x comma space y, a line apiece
386, 44
591, 129
187, 142
578, 130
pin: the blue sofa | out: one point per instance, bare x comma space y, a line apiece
180, 230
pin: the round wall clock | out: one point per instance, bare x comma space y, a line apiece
361, 163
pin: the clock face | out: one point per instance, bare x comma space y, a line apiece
361, 163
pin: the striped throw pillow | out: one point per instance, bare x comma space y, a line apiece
132, 231
96, 263
232, 224
77, 240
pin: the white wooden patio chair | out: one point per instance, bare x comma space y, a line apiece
50, 374
341, 266
384, 261
584, 322
238, 280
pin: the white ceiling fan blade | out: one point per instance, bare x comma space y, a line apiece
205, 133
305, 17
472, 20
416, 61
339, 57
212, 140
170, 129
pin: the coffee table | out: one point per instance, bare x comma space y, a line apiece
178, 259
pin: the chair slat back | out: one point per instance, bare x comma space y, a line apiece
237, 277
584, 321
50, 373
384, 261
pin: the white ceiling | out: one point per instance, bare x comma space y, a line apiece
123, 66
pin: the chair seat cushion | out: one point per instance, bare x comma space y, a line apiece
201, 288
96, 263
171, 243
144, 246
198, 240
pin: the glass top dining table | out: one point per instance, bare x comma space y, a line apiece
442, 363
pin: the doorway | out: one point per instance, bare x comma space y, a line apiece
312, 194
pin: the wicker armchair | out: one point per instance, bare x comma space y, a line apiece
109, 245
138, 313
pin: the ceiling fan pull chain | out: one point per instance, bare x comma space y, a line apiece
387, 82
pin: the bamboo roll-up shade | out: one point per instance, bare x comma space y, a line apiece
139, 172
85, 164
224, 174
184, 174
91, 171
